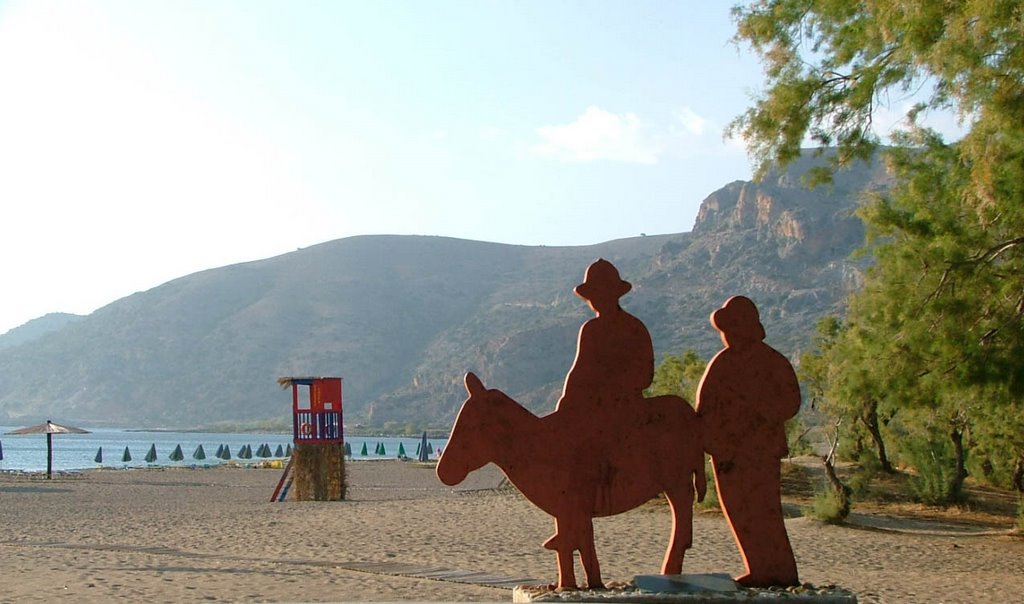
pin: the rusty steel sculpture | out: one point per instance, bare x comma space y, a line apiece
606, 449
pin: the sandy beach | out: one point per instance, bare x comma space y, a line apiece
175, 535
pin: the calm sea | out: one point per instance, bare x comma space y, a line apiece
78, 451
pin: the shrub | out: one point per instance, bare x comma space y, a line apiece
868, 468
934, 461
829, 506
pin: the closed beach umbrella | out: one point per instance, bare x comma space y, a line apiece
199, 453
225, 453
348, 451
99, 456
176, 454
264, 451
247, 450
401, 450
363, 451
126, 456
220, 452
288, 451
423, 453
1, 450
279, 452
49, 429
151, 454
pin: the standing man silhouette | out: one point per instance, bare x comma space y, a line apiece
747, 393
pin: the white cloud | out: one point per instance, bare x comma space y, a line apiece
599, 135
693, 123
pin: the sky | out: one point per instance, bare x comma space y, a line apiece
141, 141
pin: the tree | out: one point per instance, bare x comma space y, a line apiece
940, 317
678, 375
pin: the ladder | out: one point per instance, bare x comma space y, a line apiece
283, 485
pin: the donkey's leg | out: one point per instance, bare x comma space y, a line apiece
588, 556
680, 499
563, 549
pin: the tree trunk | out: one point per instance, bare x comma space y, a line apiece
870, 419
957, 485
1018, 475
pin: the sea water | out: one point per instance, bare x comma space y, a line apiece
78, 451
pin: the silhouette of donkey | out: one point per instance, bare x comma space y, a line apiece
557, 465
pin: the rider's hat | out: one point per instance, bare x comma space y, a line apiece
602, 276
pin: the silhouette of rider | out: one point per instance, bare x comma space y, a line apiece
614, 354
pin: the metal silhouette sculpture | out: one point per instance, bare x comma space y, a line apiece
604, 450
747, 393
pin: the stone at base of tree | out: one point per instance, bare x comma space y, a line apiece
632, 593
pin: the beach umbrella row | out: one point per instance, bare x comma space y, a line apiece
423, 449
223, 452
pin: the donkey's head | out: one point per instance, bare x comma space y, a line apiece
468, 446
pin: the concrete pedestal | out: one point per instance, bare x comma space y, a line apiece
714, 588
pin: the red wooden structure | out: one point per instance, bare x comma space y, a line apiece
316, 418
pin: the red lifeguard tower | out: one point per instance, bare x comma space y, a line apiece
317, 466
316, 418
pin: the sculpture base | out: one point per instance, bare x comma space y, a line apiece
714, 588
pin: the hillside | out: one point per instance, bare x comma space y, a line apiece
402, 318
37, 328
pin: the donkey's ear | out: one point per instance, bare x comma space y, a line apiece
473, 384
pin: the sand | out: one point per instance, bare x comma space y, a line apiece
211, 534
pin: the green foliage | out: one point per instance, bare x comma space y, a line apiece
678, 375
866, 471
938, 329
828, 506
932, 457
796, 436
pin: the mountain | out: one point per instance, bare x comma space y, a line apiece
36, 328
402, 318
